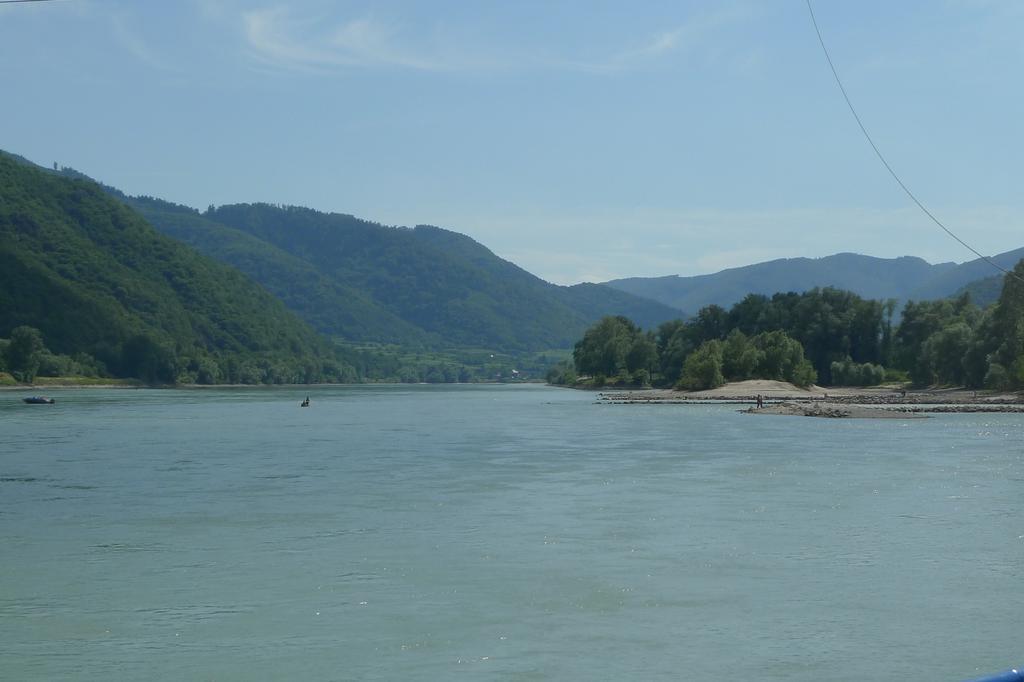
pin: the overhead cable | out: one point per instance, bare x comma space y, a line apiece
885, 163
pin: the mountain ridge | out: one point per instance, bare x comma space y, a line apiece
903, 278
486, 301
93, 277
443, 282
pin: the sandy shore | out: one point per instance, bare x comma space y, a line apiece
782, 398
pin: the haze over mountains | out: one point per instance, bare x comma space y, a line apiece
240, 292
906, 278
362, 281
350, 279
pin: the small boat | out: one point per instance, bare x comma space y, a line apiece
304, 403
39, 400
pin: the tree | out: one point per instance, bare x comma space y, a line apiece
145, 359
751, 315
782, 358
739, 357
642, 355
779, 355
24, 353
804, 374
1008, 329
889, 307
674, 343
703, 368
850, 373
712, 322
942, 356
614, 347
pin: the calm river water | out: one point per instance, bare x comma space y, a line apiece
500, 533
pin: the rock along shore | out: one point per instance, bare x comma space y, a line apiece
781, 398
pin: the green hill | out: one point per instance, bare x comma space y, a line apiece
983, 292
362, 281
948, 283
95, 278
868, 277
328, 305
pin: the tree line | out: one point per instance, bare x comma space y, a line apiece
25, 356
825, 336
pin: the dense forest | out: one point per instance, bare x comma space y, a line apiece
823, 336
88, 287
422, 287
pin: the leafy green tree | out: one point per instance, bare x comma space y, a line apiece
149, 361
850, 373
751, 315
829, 323
703, 368
780, 355
997, 376
207, 371
942, 356
976, 358
562, 374
712, 322
740, 358
1008, 329
25, 352
674, 343
889, 307
804, 374
642, 355
615, 347
922, 319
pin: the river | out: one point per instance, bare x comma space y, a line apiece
499, 533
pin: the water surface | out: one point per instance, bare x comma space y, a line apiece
499, 533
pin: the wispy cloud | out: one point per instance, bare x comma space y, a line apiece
131, 40
692, 34
279, 37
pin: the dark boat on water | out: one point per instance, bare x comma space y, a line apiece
39, 400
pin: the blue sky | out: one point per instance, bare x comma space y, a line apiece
582, 140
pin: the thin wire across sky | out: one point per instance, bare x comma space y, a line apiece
885, 163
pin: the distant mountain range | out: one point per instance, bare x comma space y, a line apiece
359, 281
253, 283
906, 278
362, 281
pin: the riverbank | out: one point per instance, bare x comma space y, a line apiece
832, 411
782, 398
42, 383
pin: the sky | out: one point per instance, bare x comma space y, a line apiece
582, 140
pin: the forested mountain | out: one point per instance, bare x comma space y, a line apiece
99, 282
328, 305
362, 281
948, 282
983, 292
80, 262
824, 335
905, 278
